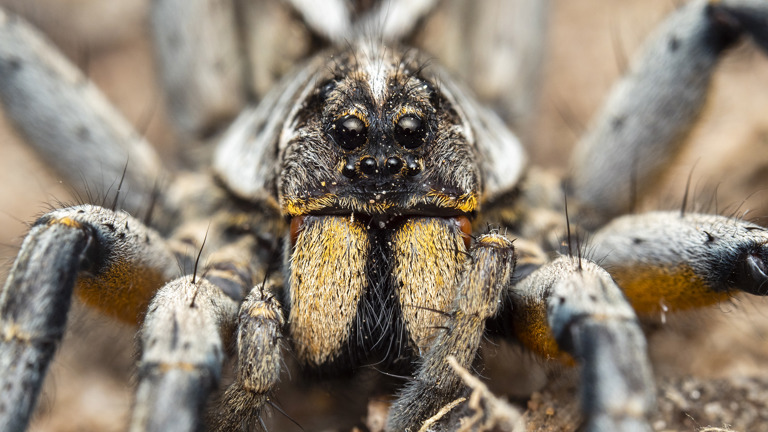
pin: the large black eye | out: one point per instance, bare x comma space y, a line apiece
410, 131
350, 132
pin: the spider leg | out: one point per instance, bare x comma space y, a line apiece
183, 339
67, 120
496, 47
389, 20
259, 331
487, 272
665, 261
331, 20
650, 112
109, 258
573, 305
199, 53
266, 21
751, 16
394, 20
189, 324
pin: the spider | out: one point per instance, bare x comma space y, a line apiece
381, 149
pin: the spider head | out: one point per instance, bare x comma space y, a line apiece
376, 136
379, 175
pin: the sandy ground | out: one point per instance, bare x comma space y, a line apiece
711, 364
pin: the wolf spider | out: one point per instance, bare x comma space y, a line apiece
347, 218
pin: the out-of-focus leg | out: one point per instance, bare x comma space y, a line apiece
650, 112
496, 46
197, 45
70, 124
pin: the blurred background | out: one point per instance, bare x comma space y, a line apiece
89, 385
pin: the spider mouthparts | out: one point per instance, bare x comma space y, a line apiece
752, 275
466, 229
465, 226
296, 224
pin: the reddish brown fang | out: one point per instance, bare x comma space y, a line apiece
466, 229
296, 224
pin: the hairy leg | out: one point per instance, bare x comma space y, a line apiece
650, 112
183, 338
67, 120
667, 261
259, 332
110, 259
487, 272
571, 309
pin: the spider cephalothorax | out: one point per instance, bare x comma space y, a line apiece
377, 136
363, 214
379, 172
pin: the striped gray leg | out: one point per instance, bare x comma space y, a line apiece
650, 112
667, 261
189, 325
68, 122
573, 305
478, 297
199, 54
259, 331
115, 263
182, 339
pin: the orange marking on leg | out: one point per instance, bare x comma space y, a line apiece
652, 289
178, 366
123, 291
494, 241
66, 221
532, 330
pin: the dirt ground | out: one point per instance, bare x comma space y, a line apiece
711, 365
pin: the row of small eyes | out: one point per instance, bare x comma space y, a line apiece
350, 132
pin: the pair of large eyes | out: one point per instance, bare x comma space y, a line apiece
351, 132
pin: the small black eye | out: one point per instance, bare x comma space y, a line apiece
326, 88
410, 131
350, 132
